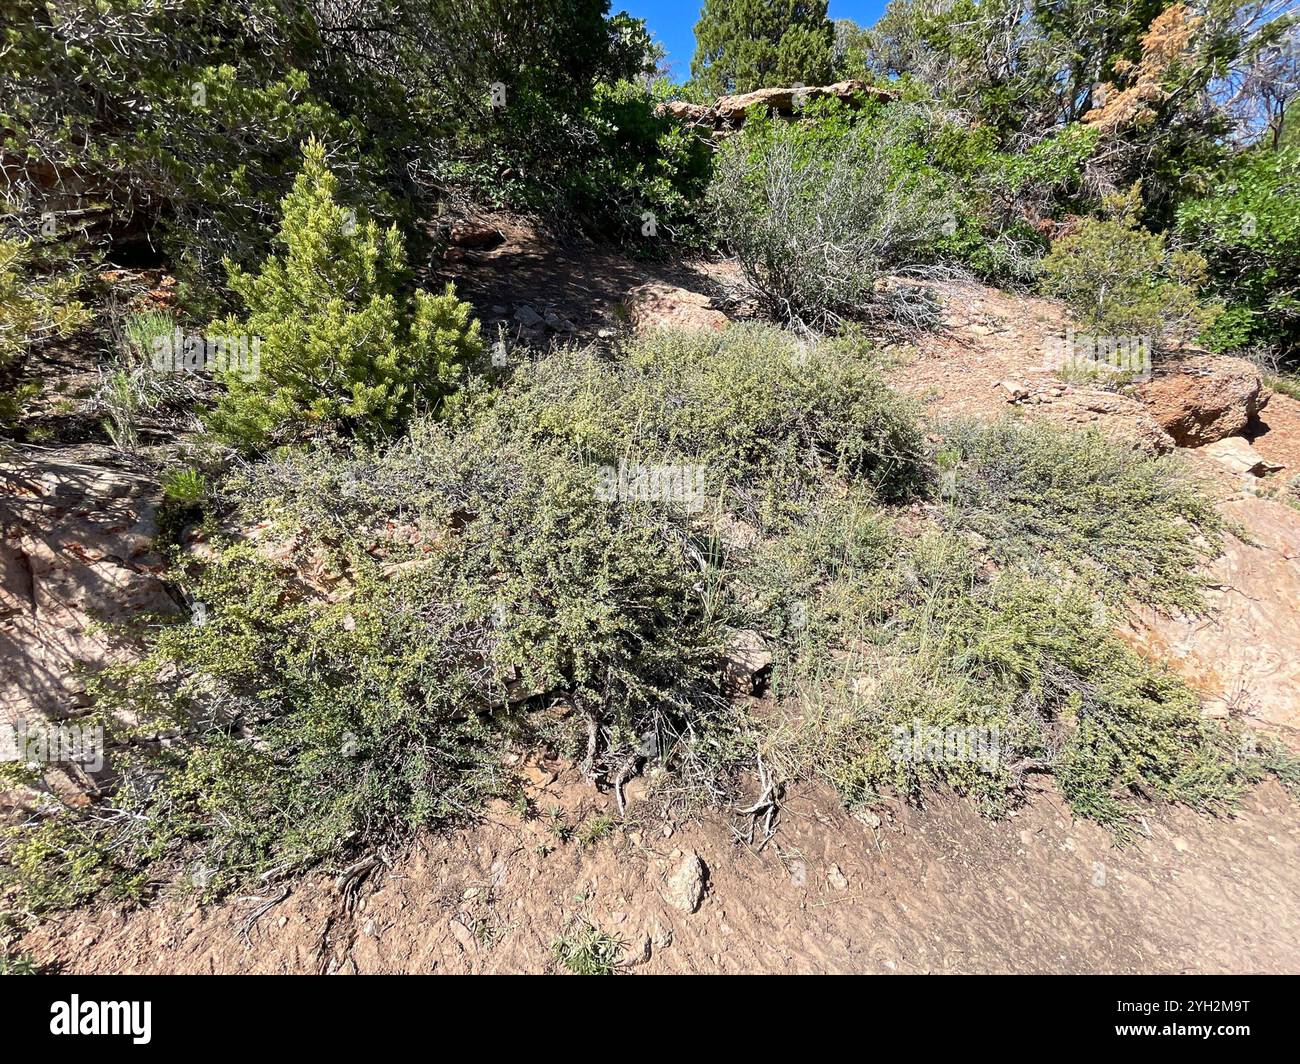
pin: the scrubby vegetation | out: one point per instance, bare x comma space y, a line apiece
815, 212
1121, 280
413, 607
403, 559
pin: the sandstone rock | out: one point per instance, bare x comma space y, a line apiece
636, 954
744, 661
728, 112
684, 886
785, 101
77, 548
1116, 416
659, 305
1237, 455
1244, 657
691, 113
1204, 398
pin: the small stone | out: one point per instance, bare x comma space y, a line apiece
637, 953
837, 878
745, 661
684, 888
463, 936
526, 315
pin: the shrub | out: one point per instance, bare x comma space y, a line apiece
766, 414
337, 342
640, 162
1059, 503
1121, 280
1248, 228
584, 949
815, 210
919, 668
1003, 194
32, 309
484, 577
408, 608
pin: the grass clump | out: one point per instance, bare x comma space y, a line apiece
596, 828
584, 949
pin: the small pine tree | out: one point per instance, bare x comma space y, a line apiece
1120, 279
336, 342
743, 45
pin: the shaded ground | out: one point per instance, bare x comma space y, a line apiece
581, 284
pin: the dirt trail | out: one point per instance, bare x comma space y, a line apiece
933, 890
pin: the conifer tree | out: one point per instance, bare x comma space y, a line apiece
742, 45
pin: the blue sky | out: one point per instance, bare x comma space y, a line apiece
673, 23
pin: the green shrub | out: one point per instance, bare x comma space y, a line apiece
407, 609
185, 486
815, 210
1248, 228
32, 309
766, 414
337, 343
1121, 280
641, 167
1003, 193
1057, 504
917, 668
584, 949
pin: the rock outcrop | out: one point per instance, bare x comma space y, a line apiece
658, 304
76, 553
1204, 398
1243, 656
728, 112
